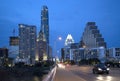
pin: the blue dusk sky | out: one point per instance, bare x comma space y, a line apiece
65, 17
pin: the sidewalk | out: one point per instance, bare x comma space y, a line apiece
64, 75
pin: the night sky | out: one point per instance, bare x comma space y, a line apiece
65, 17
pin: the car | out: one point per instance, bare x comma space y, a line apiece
100, 68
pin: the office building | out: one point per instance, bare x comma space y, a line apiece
41, 47
114, 54
45, 22
69, 40
43, 37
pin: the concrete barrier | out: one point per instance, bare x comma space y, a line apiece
50, 75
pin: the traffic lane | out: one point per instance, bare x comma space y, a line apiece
96, 77
86, 73
65, 75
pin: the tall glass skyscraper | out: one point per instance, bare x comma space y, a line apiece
43, 37
41, 46
45, 22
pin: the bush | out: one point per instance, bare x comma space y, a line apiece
4, 76
37, 72
38, 64
19, 64
48, 63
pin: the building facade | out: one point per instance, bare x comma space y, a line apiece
92, 37
43, 45
3, 56
67, 55
114, 54
78, 54
45, 22
27, 42
13, 46
69, 40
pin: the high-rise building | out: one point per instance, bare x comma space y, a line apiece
27, 42
41, 46
92, 37
69, 40
43, 37
45, 22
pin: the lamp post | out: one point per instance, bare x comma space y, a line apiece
55, 50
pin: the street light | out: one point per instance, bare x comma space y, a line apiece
60, 38
55, 50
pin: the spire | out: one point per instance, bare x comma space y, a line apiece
13, 32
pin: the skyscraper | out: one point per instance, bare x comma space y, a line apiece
91, 36
43, 37
41, 46
27, 41
69, 40
45, 22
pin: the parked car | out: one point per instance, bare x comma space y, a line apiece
100, 68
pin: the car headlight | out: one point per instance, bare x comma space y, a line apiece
108, 68
99, 69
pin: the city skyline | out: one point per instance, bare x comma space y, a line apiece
62, 19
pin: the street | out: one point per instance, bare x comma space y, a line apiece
65, 75
84, 73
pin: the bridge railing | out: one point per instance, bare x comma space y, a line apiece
50, 76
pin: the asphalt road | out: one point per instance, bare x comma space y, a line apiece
64, 75
84, 73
